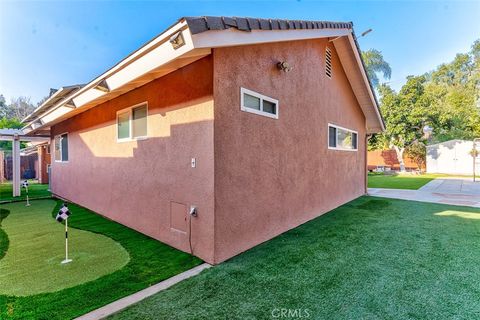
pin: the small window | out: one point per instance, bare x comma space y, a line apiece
132, 123
342, 139
328, 62
61, 148
123, 125
257, 103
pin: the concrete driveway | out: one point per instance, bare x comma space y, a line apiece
456, 191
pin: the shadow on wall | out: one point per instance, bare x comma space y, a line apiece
138, 182
436, 150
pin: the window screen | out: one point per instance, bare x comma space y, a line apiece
332, 137
342, 139
139, 124
64, 147
123, 125
251, 101
259, 104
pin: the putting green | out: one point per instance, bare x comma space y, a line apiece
37, 246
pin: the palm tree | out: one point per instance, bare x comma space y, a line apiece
375, 63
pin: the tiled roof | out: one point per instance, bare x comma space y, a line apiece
202, 24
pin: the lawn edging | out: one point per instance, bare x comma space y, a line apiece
127, 301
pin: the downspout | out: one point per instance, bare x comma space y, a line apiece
367, 138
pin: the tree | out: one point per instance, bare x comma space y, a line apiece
19, 108
446, 100
375, 64
417, 152
406, 114
6, 123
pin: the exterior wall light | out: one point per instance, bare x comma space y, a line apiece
284, 66
177, 40
102, 86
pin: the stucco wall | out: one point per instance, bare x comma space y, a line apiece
143, 183
272, 175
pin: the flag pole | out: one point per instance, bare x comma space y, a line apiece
66, 244
28, 202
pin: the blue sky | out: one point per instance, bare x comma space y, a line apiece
46, 45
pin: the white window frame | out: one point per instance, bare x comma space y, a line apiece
54, 157
262, 98
130, 122
336, 138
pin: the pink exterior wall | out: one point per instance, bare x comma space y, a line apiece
273, 175
148, 185
256, 177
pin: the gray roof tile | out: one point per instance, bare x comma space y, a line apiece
202, 24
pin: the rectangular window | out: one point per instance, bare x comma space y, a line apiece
342, 139
132, 123
257, 103
61, 148
139, 118
123, 125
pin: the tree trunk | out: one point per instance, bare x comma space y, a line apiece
399, 152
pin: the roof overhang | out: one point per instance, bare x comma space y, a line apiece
179, 46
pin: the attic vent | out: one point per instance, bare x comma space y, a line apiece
328, 62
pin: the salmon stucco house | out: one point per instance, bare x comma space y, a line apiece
218, 134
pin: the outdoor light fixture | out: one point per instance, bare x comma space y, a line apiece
177, 40
102, 86
284, 66
70, 104
364, 33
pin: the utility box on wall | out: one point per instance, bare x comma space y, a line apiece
451, 157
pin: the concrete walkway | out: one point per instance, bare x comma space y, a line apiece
125, 302
455, 191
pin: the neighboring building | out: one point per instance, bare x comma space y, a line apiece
259, 125
452, 157
388, 159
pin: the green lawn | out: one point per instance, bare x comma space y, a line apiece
35, 190
400, 181
110, 261
372, 258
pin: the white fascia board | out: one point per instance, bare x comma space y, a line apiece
154, 59
234, 37
87, 96
154, 54
56, 113
45, 103
365, 79
148, 62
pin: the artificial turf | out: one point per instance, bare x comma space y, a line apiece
35, 191
400, 181
372, 258
37, 246
150, 262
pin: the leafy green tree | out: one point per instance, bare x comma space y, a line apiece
446, 100
375, 65
6, 123
406, 114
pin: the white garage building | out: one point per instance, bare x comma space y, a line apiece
452, 157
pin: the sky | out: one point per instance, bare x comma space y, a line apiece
51, 44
